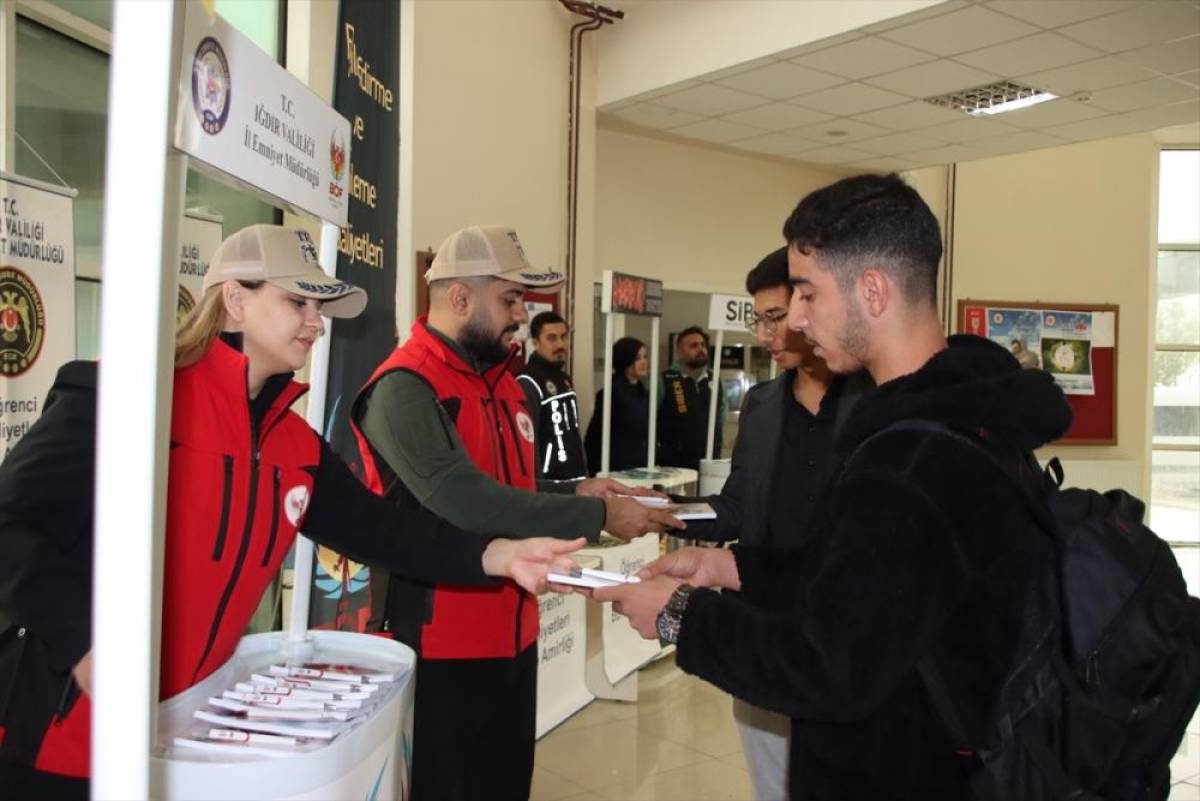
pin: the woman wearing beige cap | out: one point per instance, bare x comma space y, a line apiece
246, 473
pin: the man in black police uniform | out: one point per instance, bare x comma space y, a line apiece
552, 403
684, 394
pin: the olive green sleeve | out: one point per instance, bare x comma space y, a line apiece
410, 429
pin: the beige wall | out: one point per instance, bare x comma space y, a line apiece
1073, 224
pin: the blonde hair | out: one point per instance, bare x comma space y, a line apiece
202, 324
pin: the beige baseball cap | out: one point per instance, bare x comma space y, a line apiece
287, 258
488, 250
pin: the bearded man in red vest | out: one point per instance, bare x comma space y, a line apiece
443, 424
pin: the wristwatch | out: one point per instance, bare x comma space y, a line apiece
671, 616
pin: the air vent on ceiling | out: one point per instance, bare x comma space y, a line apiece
995, 98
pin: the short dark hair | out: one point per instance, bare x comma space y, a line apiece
625, 351
687, 332
543, 319
771, 272
848, 225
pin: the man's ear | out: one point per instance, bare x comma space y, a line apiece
458, 296
875, 291
233, 295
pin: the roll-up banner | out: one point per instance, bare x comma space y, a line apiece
37, 299
198, 241
367, 74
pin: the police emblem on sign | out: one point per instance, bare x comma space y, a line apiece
22, 322
184, 305
210, 85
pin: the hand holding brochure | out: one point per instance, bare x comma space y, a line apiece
586, 577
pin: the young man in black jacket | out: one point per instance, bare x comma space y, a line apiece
782, 458
550, 397
922, 554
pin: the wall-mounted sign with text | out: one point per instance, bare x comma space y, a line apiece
631, 294
248, 118
729, 312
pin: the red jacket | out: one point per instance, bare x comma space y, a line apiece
461, 622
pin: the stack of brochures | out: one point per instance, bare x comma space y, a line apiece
289, 708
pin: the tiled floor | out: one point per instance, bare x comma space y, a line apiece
680, 742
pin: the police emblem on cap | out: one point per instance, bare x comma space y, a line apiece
525, 425
307, 249
184, 305
210, 85
22, 322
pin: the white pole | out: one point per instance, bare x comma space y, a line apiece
140, 257
318, 384
606, 420
651, 454
714, 388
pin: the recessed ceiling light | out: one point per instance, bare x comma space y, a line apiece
835, 133
994, 98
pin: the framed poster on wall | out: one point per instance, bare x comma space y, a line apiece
1075, 343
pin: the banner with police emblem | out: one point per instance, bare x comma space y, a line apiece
199, 238
37, 299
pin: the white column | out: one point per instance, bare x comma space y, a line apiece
714, 388
137, 317
606, 419
651, 455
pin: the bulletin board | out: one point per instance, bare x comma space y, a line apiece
1076, 343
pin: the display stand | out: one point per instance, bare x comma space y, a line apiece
562, 655
629, 294
725, 313
369, 761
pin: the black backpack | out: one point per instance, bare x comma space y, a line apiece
1107, 676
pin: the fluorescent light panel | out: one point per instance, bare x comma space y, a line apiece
994, 98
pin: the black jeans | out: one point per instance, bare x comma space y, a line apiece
473, 728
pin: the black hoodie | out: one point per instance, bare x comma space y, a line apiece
921, 549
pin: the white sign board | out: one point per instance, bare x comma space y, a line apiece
562, 655
37, 302
729, 312
624, 649
198, 241
250, 119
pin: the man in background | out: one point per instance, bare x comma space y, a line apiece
550, 396
685, 392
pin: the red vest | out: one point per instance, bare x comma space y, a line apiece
234, 504
497, 434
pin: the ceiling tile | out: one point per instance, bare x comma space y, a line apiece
833, 155
1174, 114
887, 164
1170, 58
848, 130
959, 31
776, 144
1091, 76
1019, 142
715, 130
947, 155
778, 116
652, 116
1098, 128
737, 69
1190, 78
905, 117
1051, 14
710, 100
820, 44
1041, 51
780, 80
968, 130
1144, 24
1055, 112
916, 16
934, 78
864, 57
895, 144
667, 90
1155, 92
850, 98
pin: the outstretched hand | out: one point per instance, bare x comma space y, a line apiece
700, 567
599, 487
528, 561
626, 518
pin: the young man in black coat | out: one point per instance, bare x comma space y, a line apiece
922, 552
